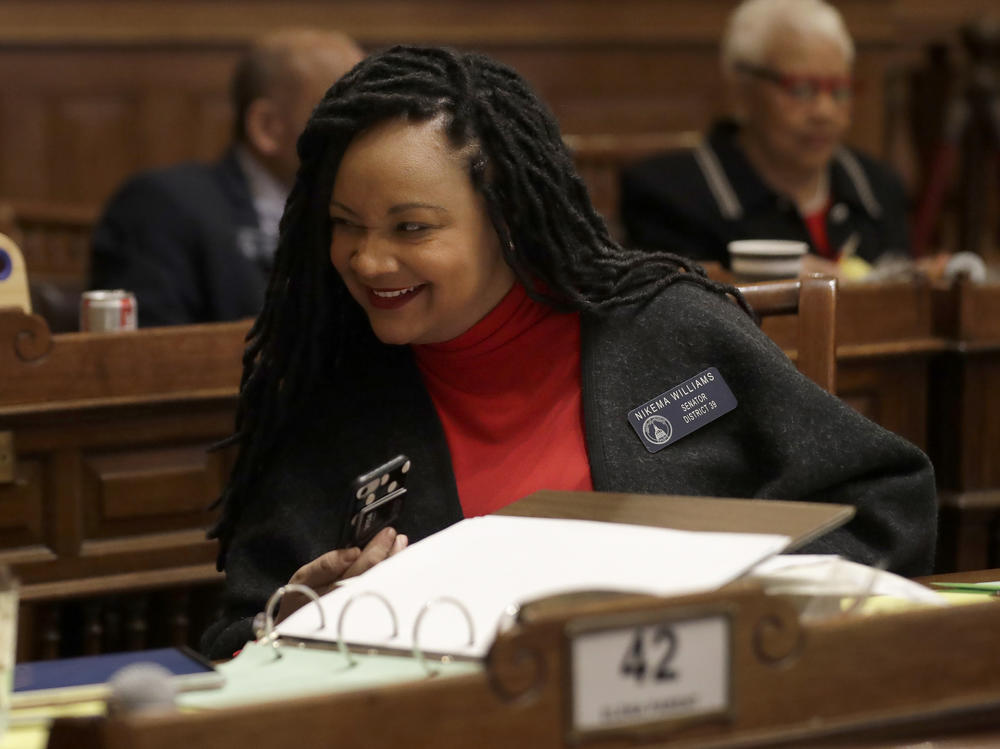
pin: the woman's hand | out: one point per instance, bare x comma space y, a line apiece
322, 573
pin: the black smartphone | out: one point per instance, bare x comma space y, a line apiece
376, 501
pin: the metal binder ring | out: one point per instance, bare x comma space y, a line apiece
417, 652
343, 612
269, 634
509, 617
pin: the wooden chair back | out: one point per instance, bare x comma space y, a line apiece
814, 299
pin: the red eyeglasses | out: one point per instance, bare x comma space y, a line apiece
803, 88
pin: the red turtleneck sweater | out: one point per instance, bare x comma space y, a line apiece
816, 224
508, 394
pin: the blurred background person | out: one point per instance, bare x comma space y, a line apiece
776, 169
195, 242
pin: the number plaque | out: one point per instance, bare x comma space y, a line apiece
643, 672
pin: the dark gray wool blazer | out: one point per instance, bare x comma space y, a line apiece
786, 439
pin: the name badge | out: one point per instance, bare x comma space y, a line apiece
682, 409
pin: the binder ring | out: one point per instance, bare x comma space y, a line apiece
417, 652
343, 612
509, 618
272, 602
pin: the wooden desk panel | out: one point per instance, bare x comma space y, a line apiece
967, 406
891, 391
148, 85
72, 495
89, 371
104, 516
964, 421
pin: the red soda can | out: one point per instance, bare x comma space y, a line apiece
102, 311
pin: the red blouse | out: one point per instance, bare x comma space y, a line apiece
508, 394
816, 224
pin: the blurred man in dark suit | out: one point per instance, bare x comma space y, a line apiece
777, 169
195, 242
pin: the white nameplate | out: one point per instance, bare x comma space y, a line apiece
650, 672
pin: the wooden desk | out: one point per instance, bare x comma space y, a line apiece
965, 424
105, 480
879, 681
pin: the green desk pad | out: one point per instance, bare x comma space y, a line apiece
256, 675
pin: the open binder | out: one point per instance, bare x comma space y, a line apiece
448, 595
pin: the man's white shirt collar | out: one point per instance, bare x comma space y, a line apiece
266, 191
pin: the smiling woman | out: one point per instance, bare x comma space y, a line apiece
444, 289
411, 237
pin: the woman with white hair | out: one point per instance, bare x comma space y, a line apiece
777, 168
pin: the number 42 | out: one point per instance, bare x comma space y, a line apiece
635, 661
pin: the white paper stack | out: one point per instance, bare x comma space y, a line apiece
490, 563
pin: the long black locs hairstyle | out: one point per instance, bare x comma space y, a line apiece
551, 236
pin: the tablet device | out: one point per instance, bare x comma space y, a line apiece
86, 677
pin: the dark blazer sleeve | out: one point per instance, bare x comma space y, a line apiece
805, 443
296, 509
786, 439
146, 243
288, 518
665, 204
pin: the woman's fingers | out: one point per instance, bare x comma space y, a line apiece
326, 569
322, 573
399, 544
377, 549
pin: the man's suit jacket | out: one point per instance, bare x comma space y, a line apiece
185, 240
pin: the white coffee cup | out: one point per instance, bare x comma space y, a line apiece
766, 258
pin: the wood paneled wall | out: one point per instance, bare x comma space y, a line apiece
96, 89
74, 121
